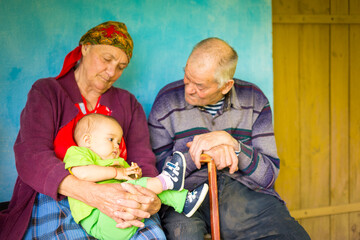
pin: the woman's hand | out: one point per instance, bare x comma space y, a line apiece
127, 204
151, 208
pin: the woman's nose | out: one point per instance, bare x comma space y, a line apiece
110, 70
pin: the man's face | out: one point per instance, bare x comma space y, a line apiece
201, 89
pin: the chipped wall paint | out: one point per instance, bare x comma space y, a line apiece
36, 35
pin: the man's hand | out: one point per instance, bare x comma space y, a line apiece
205, 142
224, 156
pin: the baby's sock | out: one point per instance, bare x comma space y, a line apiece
166, 182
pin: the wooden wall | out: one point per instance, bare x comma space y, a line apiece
316, 51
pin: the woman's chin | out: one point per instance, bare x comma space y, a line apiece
101, 88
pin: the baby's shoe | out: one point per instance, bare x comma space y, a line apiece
194, 199
175, 170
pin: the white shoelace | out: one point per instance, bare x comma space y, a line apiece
192, 196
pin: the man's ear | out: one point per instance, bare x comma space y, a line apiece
87, 140
227, 86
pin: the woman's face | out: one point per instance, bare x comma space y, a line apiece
101, 66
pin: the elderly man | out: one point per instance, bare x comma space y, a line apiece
230, 120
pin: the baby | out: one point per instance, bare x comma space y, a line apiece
97, 159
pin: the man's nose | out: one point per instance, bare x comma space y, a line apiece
189, 88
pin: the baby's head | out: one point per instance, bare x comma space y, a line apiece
100, 133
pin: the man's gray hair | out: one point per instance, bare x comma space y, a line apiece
223, 55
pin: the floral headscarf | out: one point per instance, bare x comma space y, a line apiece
107, 33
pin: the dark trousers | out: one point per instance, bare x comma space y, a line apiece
244, 214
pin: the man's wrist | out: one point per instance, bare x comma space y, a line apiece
239, 151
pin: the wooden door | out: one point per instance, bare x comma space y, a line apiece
316, 50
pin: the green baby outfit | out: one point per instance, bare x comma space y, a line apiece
91, 219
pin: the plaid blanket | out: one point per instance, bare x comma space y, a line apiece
52, 220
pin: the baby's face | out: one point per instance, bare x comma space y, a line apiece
105, 139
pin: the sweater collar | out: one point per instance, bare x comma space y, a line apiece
69, 84
232, 100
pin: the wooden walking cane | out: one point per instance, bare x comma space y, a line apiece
213, 195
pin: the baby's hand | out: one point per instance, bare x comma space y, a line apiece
130, 173
138, 173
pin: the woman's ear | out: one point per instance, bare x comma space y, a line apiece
85, 49
227, 86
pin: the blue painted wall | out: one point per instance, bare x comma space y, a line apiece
36, 35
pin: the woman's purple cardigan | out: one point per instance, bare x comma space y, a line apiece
50, 106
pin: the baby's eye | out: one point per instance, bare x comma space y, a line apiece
111, 139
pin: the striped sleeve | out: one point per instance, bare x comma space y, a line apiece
258, 159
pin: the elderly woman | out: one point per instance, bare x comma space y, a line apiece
39, 207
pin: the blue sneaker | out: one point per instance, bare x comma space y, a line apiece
175, 169
194, 199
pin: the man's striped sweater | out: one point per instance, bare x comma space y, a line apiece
245, 114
